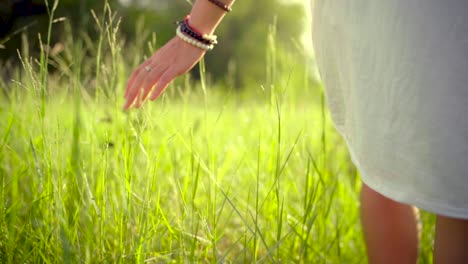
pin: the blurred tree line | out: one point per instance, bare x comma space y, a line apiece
239, 57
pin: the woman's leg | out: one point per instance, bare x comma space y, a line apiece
451, 242
391, 229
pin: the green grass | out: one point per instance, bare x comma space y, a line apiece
174, 180
202, 175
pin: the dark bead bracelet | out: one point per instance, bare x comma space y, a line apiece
191, 33
221, 5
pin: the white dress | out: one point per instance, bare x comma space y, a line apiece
396, 78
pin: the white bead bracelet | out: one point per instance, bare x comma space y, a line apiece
192, 41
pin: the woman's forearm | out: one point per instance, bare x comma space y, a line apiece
205, 16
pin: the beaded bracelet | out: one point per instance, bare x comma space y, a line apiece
210, 38
186, 30
193, 41
189, 32
221, 5
194, 37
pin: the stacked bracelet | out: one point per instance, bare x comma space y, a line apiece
221, 5
193, 41
194, 37
191, 31
184, 29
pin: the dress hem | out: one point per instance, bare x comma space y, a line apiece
389, 191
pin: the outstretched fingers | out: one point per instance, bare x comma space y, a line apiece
134, 76
166, 78
134, 89
149, 82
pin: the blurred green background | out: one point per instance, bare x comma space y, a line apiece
237, 61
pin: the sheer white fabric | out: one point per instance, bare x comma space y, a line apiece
396, 77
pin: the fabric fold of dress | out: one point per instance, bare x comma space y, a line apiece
396, 79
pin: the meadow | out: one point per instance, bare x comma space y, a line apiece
205, 174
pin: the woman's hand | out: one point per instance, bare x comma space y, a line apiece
173, 59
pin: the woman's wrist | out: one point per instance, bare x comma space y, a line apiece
205, 16
193, 37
